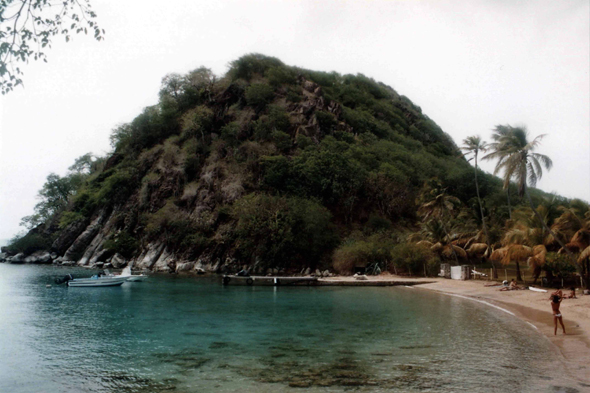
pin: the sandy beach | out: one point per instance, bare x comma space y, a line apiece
532, 307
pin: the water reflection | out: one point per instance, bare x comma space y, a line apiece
193, 334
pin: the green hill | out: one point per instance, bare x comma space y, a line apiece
269, 166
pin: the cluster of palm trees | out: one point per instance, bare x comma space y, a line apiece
527, 235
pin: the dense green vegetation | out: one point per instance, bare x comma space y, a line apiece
277, 166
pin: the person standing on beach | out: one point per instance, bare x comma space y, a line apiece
555, 303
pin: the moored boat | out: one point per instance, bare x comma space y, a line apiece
98, 280
132, 277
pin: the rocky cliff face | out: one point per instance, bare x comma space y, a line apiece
229, 173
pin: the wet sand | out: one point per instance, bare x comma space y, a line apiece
534, 308
573, 349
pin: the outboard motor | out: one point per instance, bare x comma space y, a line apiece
64, 279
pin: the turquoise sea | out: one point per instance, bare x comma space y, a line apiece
191, 334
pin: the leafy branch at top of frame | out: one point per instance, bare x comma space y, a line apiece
28, 26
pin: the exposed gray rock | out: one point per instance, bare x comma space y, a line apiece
307, 272
68, 236
100, 254
68, 263
90, 254
18, 258
184, 266
118, 261
38, 257
165, 263
3, 256
78, 248
150, 256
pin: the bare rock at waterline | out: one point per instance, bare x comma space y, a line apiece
39, 257
78, 248
18, 258
68, 236
118, 261
185, 266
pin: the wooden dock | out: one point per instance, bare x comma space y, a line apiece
315, 281
268, 280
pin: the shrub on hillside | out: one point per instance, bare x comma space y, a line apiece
282, 232
282, 141
413, 259
197, 123
258, 95
558, 265
169, 224
326, 121
278, 76
69, 217
28, 243
249, 65
122, 243
374, 251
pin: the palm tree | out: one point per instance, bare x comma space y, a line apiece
516, 157
496, 147
473, 145
439, 207
528, 232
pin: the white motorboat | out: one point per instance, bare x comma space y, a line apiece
132, 277
97, 280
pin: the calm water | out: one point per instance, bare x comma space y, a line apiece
182, 334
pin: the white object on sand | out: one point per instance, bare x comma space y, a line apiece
537, 289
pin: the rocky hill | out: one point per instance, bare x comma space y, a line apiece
269, 166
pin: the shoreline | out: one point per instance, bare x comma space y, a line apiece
533, 308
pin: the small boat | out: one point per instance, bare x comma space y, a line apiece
132, 277
98, 280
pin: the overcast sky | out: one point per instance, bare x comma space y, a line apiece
469, 65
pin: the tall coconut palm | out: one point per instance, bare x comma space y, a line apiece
516, 157
440, 207
496, 147
472, 146
527, 231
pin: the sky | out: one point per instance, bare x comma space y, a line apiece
470, 65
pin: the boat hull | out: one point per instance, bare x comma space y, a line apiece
141, 277
97, 282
